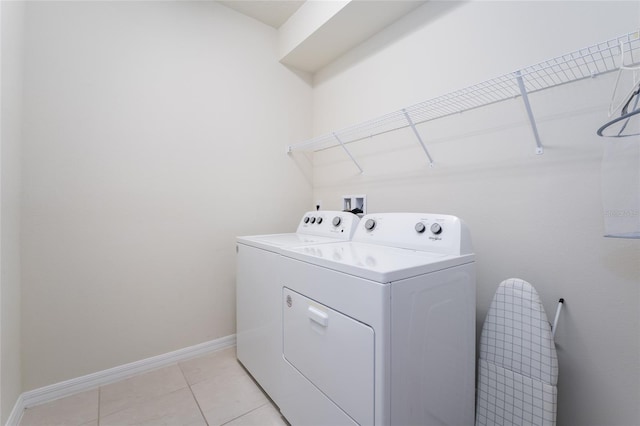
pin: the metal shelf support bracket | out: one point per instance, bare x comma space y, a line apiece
347, 151
527, 106
415, 132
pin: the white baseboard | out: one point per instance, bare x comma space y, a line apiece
104, 377
16, 413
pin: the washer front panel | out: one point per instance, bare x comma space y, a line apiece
333, 351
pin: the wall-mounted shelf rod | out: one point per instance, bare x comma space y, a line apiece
584, 63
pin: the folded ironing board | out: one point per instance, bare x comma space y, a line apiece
518, 366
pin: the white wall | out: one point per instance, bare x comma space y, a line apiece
154, 134
10, 146
539, 218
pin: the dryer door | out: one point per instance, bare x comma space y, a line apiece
333, 351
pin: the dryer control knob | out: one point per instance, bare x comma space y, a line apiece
369, 224
436, 229
319, 220
313, 219
306, 219
420, 227
336, 221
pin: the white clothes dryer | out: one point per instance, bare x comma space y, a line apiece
258, 290
381, 330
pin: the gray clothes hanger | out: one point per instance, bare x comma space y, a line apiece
624, 117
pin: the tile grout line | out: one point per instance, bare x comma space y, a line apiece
244, 414
192, 394
139, 401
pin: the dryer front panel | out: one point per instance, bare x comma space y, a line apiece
333, 351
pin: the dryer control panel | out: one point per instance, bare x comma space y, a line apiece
437, 233
328, 223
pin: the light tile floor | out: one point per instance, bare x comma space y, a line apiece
211, 390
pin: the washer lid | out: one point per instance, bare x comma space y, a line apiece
375, 262
275, 242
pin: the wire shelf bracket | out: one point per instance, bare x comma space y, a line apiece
415, 131
527, 106
347, 151
588, 62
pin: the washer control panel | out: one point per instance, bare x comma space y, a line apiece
418, 231
329, 223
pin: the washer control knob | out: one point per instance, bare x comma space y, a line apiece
313, 219
306, 219
336, 221
319, 220
370, 224
420, 227
436, 229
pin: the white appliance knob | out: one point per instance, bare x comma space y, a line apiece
336, 221
370, 224
306, 219
319, 220
436, 229
313, 219
420, 227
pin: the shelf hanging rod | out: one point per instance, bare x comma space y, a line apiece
415, 131
347, 151
527, 106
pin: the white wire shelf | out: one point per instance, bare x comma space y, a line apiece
588, 62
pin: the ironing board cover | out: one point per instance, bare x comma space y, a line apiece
518, 366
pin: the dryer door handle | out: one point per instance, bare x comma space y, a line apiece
318, 316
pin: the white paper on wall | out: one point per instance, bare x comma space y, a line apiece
621, 186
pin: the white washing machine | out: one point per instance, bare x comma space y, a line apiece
258, 290
381, 330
